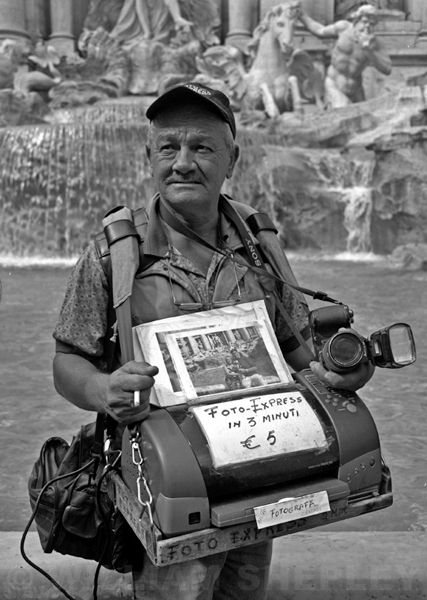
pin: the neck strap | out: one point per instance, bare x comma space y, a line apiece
256, 262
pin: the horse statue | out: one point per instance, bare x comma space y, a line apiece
273, 76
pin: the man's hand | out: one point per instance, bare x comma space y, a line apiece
352, 381
121, 385
297, 9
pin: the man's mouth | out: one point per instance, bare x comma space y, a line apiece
184, 182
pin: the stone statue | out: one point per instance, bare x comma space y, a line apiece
45, 59
9, 61
25, 80
103, 13
153, 19
344, 8
356, 48
100, 72
161, 37
274, 75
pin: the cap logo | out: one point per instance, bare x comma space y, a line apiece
199, 90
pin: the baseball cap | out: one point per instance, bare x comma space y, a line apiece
214, 99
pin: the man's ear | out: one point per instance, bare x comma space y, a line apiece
233, 159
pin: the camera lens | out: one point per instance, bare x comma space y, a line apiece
343, 352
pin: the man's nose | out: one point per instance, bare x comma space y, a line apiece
184, 160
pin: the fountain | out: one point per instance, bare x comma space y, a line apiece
347, 179
58, 180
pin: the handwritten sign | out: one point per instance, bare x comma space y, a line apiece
259, 427
291, 509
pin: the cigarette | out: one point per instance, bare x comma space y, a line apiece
137, 398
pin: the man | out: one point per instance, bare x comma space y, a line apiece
191, 149
357, 47
246, 368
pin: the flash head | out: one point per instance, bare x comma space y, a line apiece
393, 347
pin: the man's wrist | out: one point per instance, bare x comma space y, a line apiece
96, 391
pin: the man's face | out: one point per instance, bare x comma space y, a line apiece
365, 24
190, 157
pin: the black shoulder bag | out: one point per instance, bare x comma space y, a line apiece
73, 512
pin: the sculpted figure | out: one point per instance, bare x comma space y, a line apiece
273, 76
25, 80
155, 19
345, 7
356, 48
9, 62
100, 72
163, 38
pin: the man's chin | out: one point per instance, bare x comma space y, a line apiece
181, 192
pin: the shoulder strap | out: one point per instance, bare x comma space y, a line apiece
102, 243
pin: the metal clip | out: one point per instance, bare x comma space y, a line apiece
146, 504
141, 483
111, 455
136, 455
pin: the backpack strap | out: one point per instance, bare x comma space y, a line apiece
259, 224
116, 232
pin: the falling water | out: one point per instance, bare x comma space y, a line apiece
358, 210
58, 180
321, 198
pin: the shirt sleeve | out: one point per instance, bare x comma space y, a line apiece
82, 321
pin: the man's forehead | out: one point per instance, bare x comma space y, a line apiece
189, 131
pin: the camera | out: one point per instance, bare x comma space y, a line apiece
392, 347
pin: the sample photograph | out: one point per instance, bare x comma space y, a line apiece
225, 360
198, 357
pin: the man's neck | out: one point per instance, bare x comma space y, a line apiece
204, 226
197, 253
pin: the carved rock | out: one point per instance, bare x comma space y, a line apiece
411, 257
17, 109
102, 73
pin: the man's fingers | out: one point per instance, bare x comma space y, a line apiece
353, 380
139, 368
133, 376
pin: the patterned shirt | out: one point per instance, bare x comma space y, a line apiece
82, 322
